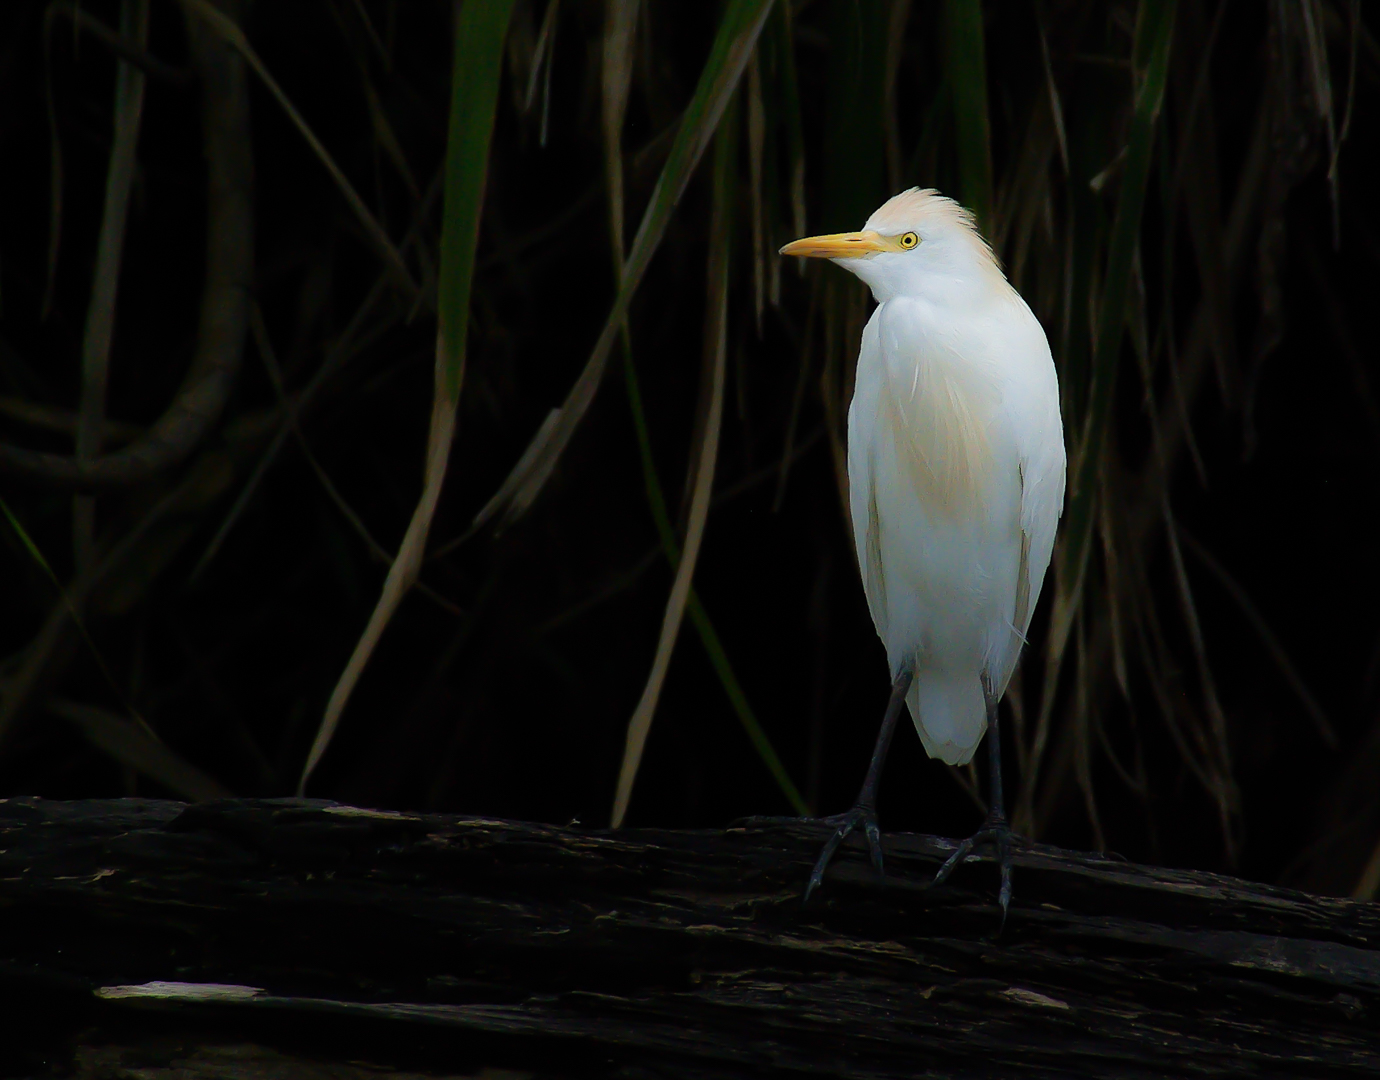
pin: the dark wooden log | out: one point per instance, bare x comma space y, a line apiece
282, 938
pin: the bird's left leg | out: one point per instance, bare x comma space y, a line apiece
864, 811
995, 829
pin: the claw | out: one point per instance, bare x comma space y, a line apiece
998, 833
864, 811
845, 824
874, 844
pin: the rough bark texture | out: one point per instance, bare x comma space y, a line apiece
353, 943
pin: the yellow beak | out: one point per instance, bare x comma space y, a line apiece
844, 245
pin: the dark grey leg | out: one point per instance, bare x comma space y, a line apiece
864, 810
995, 829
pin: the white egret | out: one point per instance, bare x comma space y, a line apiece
956, 483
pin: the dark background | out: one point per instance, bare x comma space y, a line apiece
512, 695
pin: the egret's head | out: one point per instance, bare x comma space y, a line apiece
918, 243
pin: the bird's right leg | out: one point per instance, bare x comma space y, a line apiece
995, 829
864, 811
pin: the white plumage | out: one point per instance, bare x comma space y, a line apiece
955, 459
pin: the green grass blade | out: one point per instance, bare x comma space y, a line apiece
965, 59
854, 184
854, 133
226, 29
709, 637
71, 604
733, 44
617, 62
788, 89
757, 148
275, 376
481, 27
479, 36
31, 547
702, 486
620, 28
1154, 33
128, 740
736, 696
1278, 653
100, 312
134, 745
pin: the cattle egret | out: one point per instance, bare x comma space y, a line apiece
956, 482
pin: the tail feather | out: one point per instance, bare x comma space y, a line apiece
949, 714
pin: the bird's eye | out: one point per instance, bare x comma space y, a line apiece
909, 240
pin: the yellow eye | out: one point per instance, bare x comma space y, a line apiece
909, 240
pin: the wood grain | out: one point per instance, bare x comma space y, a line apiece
304, 932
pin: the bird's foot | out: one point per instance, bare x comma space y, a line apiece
845, 823
997, 832
861, 815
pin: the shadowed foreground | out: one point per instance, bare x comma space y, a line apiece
446, 945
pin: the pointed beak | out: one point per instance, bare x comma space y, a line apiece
844, 245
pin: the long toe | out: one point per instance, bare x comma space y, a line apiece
874, 845
845, 823
997, 833
960, 853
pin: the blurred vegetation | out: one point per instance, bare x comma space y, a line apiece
230, 232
